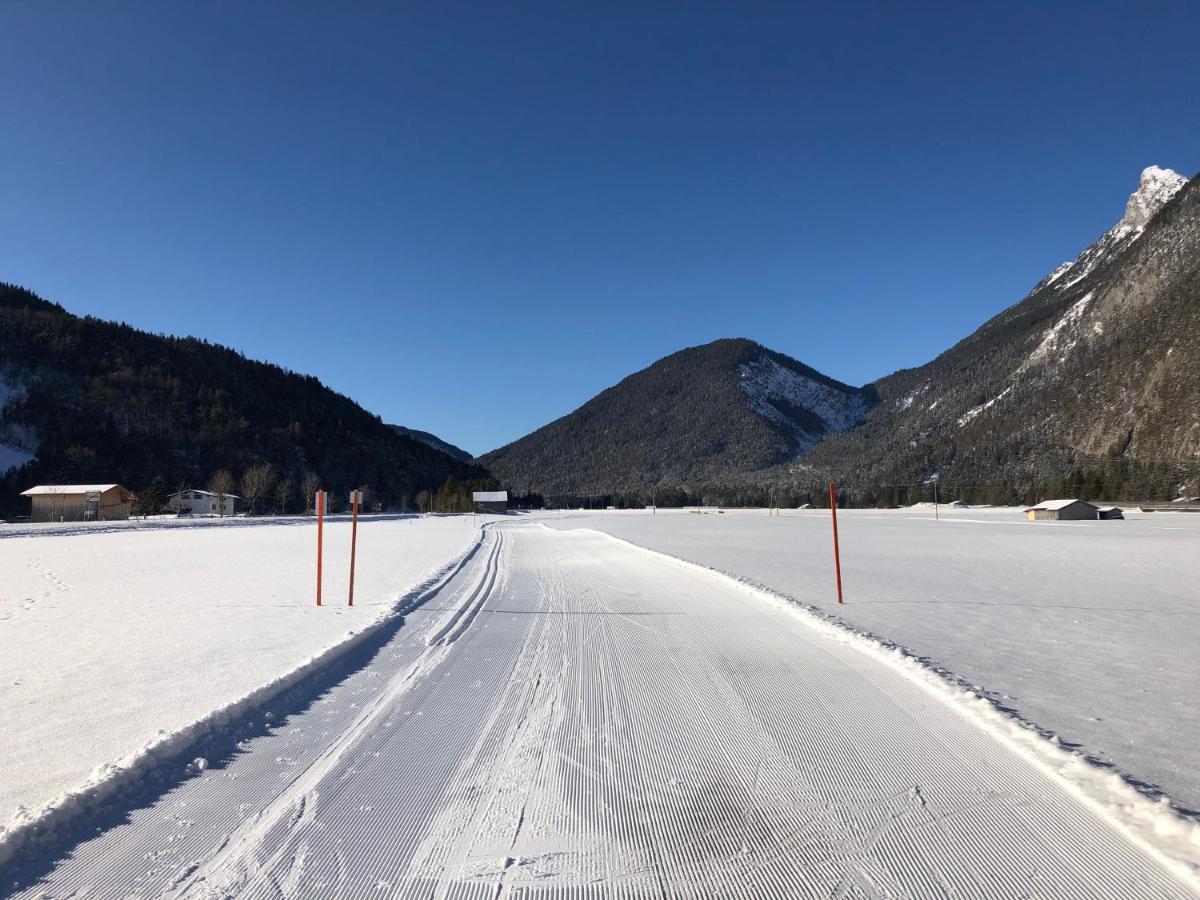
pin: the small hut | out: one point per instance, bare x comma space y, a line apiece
1062, 511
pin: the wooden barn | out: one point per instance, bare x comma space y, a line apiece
490, 501
1062, 511
79, 502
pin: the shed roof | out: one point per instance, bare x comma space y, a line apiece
59, 489
489, 496
1058, 504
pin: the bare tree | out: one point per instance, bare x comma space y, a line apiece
257, 482
283, 493
424, 501
222, 484
309, 486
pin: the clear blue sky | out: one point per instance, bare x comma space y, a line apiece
472, 217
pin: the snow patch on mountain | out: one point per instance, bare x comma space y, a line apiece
907, 400
975, 411
12, 458
17, 442
772, 388
1058, 272
1058, 337
11, 391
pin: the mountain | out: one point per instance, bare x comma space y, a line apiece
88, 401
1097, 368
1094, 375
703, 415
432, 440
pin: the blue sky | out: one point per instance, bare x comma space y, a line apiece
473, 217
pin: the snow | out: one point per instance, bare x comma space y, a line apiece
45, 489
975, 411
1055, 339
131, 632
1155, 188
18, 442
1083, 628
568, 715
765, 382
1052, 505
1058, 272
11, 390
907, 400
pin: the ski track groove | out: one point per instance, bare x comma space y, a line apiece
579, 721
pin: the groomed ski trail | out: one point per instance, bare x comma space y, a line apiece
570, 718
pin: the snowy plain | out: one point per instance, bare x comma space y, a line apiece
1085, 629
116, 636
567, 716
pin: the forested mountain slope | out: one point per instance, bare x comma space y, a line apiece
84, 400
704, 415
432, 440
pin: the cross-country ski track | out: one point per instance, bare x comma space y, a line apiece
568, 716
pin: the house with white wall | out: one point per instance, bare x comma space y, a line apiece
196, 502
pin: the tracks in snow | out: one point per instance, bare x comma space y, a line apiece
580, 720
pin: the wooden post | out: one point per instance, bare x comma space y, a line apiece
837, 555
320, 501
355, 500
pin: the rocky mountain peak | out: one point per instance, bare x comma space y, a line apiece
1155, 188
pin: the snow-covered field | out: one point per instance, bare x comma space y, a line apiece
1087, 629
116, 636
567, 716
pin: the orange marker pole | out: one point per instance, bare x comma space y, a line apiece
320, 538
837, 555
354, 495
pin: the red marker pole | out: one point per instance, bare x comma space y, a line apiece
320, 538
355, 497
837, 555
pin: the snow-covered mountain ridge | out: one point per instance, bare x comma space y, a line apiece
1099, 366
1156, 187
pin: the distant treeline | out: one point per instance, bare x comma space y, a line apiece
1117, 480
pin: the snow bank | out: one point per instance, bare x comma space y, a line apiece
125, 647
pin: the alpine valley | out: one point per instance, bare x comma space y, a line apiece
1091, 384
